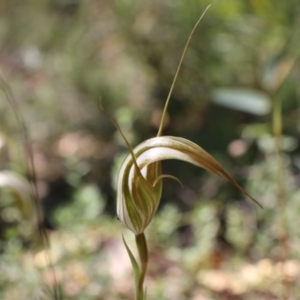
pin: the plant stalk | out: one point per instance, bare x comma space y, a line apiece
141, 243
277, 130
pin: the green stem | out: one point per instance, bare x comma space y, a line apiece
277, 129
141, 243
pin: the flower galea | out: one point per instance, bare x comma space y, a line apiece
140, 178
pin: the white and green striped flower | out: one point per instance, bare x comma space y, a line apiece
140, 184
140, 177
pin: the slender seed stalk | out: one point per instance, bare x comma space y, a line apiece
141, 243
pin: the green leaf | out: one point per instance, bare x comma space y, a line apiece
247, 100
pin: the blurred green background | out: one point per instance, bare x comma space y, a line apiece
60, 57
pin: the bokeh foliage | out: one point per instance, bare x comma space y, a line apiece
61, 57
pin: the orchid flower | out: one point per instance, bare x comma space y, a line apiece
140, 177
139, 182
